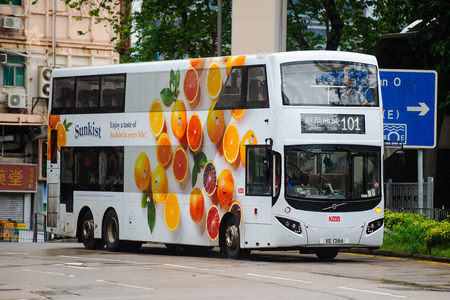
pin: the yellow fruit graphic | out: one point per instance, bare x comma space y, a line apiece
230, 143
237, 113
248, 139
156, 118
172, 211
163, 149
214, 80
61, 135
142, 173
159, 184
215, 124
178, 119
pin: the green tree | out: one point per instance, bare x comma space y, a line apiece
174, 29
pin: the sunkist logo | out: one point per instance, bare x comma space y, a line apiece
89, 130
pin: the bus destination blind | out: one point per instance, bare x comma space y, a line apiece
333, 123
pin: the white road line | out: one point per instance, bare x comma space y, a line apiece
16, 253
195, 268
371, 292
51, 273
279, 278
98, 258
124, 284
75, 267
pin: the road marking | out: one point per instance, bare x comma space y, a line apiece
124, 284
98, 258
195, 268
371, 292
399, 258
71, 265
51, 273
279, 278
16, 253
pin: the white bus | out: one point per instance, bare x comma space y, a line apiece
258, 152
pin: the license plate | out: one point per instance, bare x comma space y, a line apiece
333, 241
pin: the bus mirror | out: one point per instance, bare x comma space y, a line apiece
400, 157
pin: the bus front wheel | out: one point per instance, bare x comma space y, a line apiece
87, 231
326, 254
111, 231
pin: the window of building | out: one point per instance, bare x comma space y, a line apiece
14, 71
12, 2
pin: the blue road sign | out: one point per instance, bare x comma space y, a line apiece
409, 107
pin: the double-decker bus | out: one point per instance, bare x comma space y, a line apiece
256, 152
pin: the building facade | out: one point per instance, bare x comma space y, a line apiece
35, 39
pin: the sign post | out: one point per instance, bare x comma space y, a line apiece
409, 112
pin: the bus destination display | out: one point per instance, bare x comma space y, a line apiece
333, 123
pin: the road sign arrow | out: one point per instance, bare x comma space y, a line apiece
423, 108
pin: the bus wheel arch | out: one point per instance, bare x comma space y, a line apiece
230, 238
110, 230
85, 230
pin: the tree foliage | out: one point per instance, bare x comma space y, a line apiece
177, 28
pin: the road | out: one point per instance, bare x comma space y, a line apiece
68, 271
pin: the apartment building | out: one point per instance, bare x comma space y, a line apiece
35, 39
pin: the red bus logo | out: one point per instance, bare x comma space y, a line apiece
334, 218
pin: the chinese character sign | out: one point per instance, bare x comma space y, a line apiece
18, 177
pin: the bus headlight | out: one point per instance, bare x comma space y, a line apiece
290, 224
374, 226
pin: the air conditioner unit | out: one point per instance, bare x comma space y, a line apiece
17, 100
12, 23
45, 74
3, 58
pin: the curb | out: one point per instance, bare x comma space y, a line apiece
399, 254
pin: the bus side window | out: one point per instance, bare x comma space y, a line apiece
257, 87
258, 175
231, 96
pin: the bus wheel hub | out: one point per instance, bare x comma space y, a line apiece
232, 236
88, 229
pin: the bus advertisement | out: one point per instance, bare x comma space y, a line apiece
278, 151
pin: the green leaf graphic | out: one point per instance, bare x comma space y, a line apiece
151, 214
144, 202
166, 96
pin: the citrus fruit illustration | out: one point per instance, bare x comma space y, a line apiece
61, 136
163, 149
178, 119
225, 188
248, 139
194, 132
198, 64
230, 143
180, 164
191, 85
235, 209
159, 184
237, 113
215, 124
214, 80
142, 173
209, 178
172, 211
213, 222
234, 61
156, 118
196, 205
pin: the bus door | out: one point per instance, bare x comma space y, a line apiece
53, 175
259, 181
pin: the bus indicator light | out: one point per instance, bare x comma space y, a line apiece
378, 210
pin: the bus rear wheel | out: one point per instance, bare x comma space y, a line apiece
232, 240
111, 231
326, 254
87, 231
